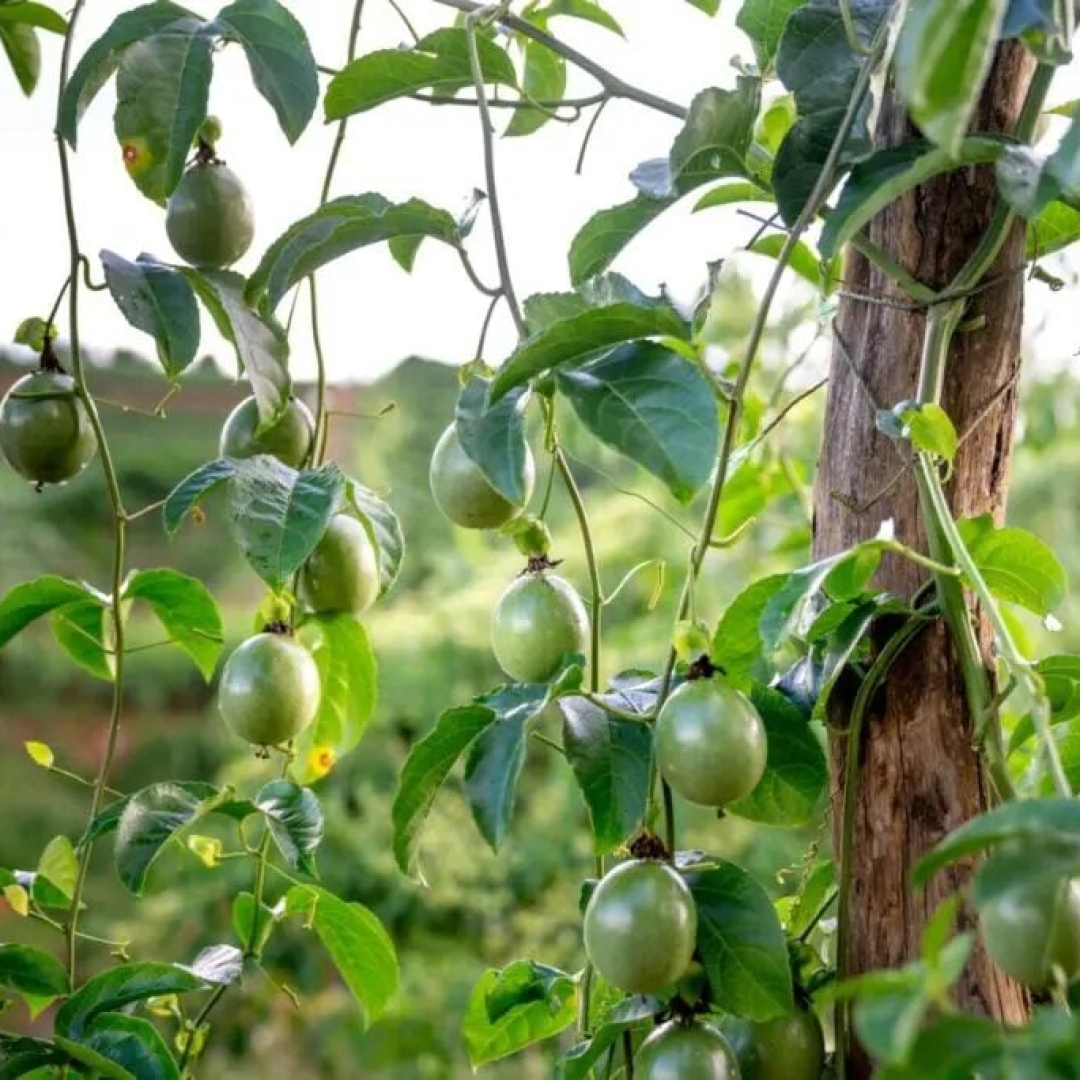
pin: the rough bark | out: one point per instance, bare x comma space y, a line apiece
919, 777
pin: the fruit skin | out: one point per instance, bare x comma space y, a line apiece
462, 492
640, 926
537, 621
209, 218
289, 440
710, 743
269, 689
342, 573
1030, 932
45, 431
785, 1048
686, 1052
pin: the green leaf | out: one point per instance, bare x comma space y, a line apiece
132, 1043
427, 766
348, 677
32, 599
524, 981
578, 1062
608, 232
710, 7
1016, 565
148, 821
582, 336
383, 529
654, 406
943, 53
262, 348
1057, 227
119, 987
763, 21
357, 943
26, 13
162, 94
521, 1026
97, 1065
295, 819
543, 79
83, 631
492, 770
279, 515
738, 648
581, 9
715, 136
802, 260
796, 774
930, 430
612, 763
185, 609
494, 436
341, 226
726, 194
741, 944
282, 66
158, 300
251, 936
191, 490
887, 174
439, 62
30, 971
101, 59
23, 50
59, 866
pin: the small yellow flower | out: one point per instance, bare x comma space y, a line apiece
320, 762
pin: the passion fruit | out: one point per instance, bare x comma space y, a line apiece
269, 689
342, 573
289, 440
45, 430
681, 1051
209, 218
463, 493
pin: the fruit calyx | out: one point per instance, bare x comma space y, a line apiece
537, 564
278, 626
205, 154
702, 668
647, 845
49, 361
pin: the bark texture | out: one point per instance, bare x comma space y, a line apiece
919, 776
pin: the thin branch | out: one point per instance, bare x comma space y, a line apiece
537, 104
605, 98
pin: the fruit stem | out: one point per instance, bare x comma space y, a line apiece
112, 485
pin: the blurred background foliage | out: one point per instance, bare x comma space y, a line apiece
431, 635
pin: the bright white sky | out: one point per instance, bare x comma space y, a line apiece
373, 313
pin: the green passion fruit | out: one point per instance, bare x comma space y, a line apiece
1033, 934
269, 689
289, 440
209, 218
679, 1051
710, 743
640, 926
45, 431
537, 621
342, 573
463, 493
788, 1047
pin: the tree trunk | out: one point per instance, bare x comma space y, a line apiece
919, 777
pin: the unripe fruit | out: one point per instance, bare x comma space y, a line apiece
342, 573
289, 440
45, 431
209, 218
695, 1051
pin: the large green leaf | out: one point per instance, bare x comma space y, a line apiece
888, 174
101, 59
796, 774
494, 436
438, 62
132, 1043
119, 987
582, 336
943, 53
383, 529
357, 943
279, 515
612, 762
84, 632
608, 232
652, 405
261, 345
162, 93
185, 609
738, 648
492, 770
191, 490
741, 944
295, 819
27, 970
341, 226
32, 599
23, 50
348, 678
282, 66
543, 79
763, 22
158, 300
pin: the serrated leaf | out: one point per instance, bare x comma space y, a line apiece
101, 59
32, 599
185, 609
543, 79
494, 436
279, 55
192, 489
158, 300
357, 943
438, 62
649, 403
605, 235
295, 819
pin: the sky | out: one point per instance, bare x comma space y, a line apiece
373, 313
